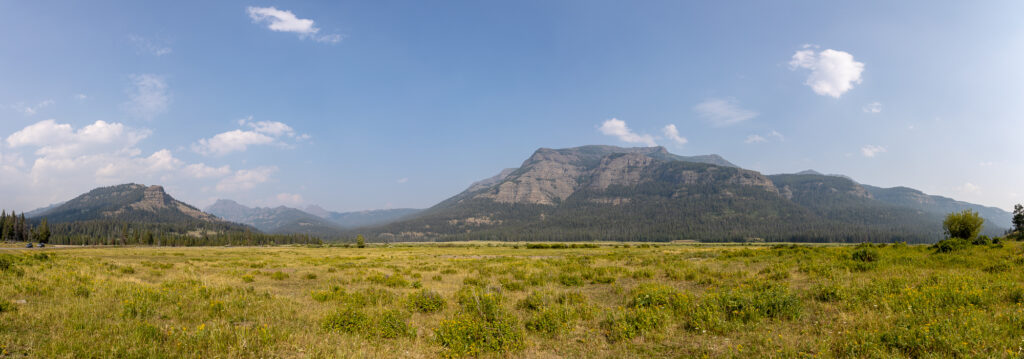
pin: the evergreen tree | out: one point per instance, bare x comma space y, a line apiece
42, 233
5, 229
360, 241
19, 228
1018, 218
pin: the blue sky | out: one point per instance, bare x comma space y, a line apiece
378, 104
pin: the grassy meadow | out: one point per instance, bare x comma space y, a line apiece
500, 300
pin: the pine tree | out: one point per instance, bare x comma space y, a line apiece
5, 229
360, 241
1018, 219
42, 233
19, 228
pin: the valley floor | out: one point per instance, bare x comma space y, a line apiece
496, 300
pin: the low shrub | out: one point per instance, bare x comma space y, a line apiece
950, 245
625, 324
426, 301
534, 301
865, 254
346, 320
391, 324
471, 335
550, 321
653, 295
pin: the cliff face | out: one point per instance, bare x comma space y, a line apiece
549, 176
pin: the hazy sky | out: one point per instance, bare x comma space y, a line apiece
376, 104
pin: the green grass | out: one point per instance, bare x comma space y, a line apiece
494, 300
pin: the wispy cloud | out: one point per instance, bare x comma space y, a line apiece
402, 180
147, 46
871, 151
874, 107
833, 72
149, 97
286, 21
244, 180
755, 139
618, 129
29, 110
722, 112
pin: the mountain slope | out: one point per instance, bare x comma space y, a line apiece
127, 202
108, 212
278, 220
366, 218
611, 193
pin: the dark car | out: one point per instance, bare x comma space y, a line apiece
28, 245
41, 245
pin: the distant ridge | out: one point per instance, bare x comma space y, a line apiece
649, 194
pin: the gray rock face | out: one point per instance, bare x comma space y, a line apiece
550, 176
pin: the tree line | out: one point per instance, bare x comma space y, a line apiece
15, 227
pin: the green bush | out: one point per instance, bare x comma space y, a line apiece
865, 254
426, 301
346, 320
632, 322
392, 324
965, 224
828, 293
486, 304
570, 280
950, 245
471, 335
652, 295
534, 301
550, 321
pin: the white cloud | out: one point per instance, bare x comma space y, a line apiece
149, 97
290, 199
723, 112
272, 128
986, 164
775, 134
262, 133
144, 45
874, 107
244, 180
231, 141
832, 72
201, 170
81, 97
61, 140
871, 150
755, 139
402, 180
50, 161
618, 128
286, 21
672, 133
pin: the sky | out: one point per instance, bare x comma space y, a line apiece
355, 105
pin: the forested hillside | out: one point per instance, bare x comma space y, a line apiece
648, 194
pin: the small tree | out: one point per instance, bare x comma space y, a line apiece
42, 233
1018, 219
360, 241
965, 224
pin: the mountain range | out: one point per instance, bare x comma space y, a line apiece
313, 221
581, 193
647, 193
